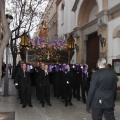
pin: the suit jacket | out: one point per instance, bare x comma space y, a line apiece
77, 76
37, 75
23, 79
44, 78
67, 76
103, 88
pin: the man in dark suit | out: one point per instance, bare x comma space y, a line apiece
85, 82
102, 92
23, 80
45, 86
67, 85
37, 70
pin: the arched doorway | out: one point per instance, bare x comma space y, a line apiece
92, 50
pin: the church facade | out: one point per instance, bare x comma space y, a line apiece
95, 27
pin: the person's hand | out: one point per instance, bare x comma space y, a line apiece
16, 85
88, 109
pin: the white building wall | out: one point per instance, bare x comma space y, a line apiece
69, 18
113, 43
100, 4
112, 3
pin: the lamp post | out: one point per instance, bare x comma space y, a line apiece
24, 44
70, 46
6, 80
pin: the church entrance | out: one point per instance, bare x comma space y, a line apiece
92, 50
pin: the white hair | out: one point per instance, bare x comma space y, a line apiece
101, 62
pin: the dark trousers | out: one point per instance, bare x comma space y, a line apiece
26, 95
68, 93
45, 93
108, 113
38, 92
76, 90
85, 88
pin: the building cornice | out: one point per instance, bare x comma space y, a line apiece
114, 9
114, 12
102, 13
89, 24
58, 2
75, 5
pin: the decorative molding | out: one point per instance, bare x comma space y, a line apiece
77, 32
100, 14
89, 24
102, 18
58, 2
114, 12
75, 5
113, 9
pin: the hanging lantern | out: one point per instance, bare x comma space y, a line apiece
24, 41
70, 43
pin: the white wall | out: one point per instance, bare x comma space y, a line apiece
69, 18
112, 3
100, 4
113, 44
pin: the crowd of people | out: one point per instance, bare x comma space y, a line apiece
67, 81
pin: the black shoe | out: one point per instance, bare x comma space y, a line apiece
49, 104
42, 104
66, 104
30, 105
24, 106
70, 103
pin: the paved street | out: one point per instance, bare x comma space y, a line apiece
57, 112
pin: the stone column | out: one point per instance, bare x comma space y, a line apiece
79, 56
103, 31
79, 43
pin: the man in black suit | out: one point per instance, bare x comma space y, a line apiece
102, 92
23, 80
45, 86
85, 82
67, 77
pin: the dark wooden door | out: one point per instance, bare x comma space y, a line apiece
92, 52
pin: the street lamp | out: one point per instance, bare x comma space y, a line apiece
70, 46
6, 80
24, 44
24, 40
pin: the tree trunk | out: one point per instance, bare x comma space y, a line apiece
7, 34
14, 64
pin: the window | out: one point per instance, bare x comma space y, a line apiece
62, 14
